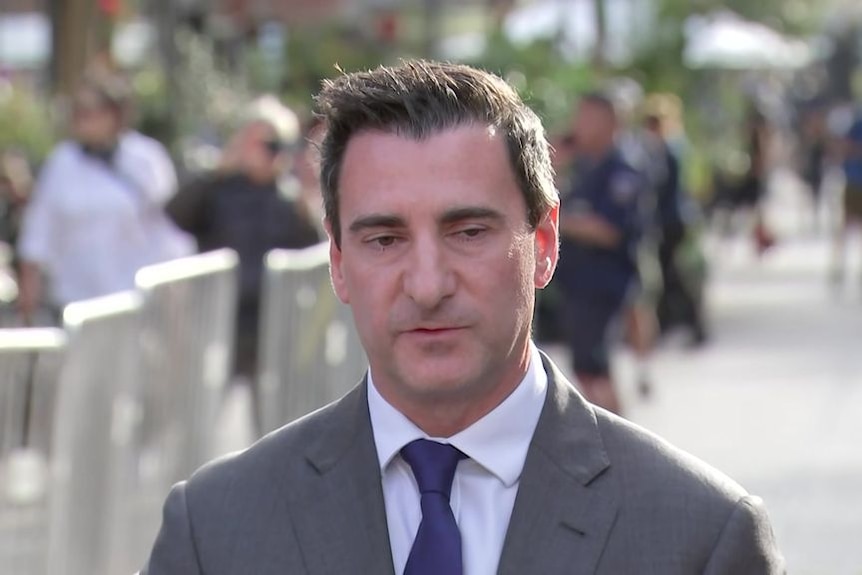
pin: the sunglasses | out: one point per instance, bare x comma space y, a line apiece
274, 147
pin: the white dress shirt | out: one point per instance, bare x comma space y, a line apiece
485, 485
90, 227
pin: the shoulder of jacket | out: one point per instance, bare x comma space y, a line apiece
650, 465
275, 454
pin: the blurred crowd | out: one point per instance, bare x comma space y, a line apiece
108, 201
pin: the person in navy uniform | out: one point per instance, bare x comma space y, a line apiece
600, 225
678, 304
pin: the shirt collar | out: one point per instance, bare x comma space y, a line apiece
498, 442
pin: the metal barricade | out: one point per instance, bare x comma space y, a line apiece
29, 367
94, 459
187, 332
30, 360
310, 353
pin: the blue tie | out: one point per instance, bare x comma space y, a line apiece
437, 547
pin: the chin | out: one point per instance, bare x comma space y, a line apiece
431, 378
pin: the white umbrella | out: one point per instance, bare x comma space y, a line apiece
575, 22
726, 41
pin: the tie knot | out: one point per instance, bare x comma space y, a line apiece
433, 465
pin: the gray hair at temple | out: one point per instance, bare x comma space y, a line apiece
420, 98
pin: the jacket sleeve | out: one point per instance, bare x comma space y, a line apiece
188, 208
746, 545
174, 551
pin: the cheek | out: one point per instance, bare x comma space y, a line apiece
506, 281
105, 125
260, 161
371, 293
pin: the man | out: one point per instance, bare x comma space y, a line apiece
677, 304
96, 214
463, 450
851, 156
600, 224
243, 207
755, 183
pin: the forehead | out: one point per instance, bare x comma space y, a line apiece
259, 129
596, 108
383, 171
88, 99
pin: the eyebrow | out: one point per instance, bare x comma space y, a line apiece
448, 217
376, 221
470, 213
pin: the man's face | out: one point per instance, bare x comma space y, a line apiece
93, 122
593, 127
438, 262
262, 156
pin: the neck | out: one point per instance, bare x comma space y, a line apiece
444, 415
261, 179
104, 150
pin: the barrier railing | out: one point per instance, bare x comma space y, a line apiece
30, 362
310, 353
185, 350
93, 453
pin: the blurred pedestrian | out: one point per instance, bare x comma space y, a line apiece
754, 183
851, 156
244, 206
814, 144
642, 153
96, 214
678, 304
600, 225
16, 182
307, 169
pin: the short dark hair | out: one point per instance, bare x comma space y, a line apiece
113, 90
421, 98
602, 101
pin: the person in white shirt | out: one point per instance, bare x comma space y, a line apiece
464, 451
96, 217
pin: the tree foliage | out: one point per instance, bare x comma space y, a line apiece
25, 122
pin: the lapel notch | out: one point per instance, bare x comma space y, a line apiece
566, 505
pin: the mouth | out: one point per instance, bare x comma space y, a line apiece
436, 330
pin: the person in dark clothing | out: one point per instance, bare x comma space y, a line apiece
243, 207
16, 180
600, 228
850, 154
677, 304
754, 183
814, 140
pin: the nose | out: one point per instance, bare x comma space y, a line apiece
428, 277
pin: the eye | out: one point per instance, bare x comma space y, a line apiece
471, 233
382, 241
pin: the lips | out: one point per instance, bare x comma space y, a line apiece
435, 330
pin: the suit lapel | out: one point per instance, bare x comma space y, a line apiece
564, 509
343, 527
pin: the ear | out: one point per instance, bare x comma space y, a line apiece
547, 247
339, 285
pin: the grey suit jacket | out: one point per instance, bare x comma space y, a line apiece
597, 495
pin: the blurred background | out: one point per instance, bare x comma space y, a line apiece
758, 102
